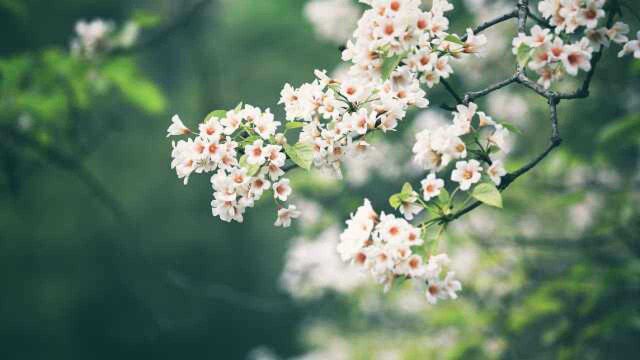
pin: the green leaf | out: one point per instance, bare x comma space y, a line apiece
251, 169
395, 201
407, 189
249, 140
406, 193
301, 154
220, 114
444, 196
511, 127
635, 67
389, 65
524, 54
454, 39
488, 194
294, 125
433, 209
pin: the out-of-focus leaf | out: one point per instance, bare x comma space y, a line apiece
146, 19
626, 128
636, 67
511, 127
16, 7
140, 92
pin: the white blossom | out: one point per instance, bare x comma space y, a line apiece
177, 127
496, 171
285, 215
466, 173
431, 186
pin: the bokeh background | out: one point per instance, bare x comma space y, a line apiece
105, 254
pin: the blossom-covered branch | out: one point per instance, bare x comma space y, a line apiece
397, 50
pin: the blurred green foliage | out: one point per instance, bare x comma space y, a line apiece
164, 279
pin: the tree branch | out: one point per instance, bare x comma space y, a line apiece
470, 96
511, 177
521, 13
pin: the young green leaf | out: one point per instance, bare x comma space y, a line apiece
444, 196
389, 65
395, 201
301, 154
249, 140
454, 39
407, 189
524, 54
217, 114
433, 209
488, 194
251, 169
294, 124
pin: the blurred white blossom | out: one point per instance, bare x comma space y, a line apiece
333, 20
313, 267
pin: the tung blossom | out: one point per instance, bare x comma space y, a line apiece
285, 215
381, 245
466, 173
431, 187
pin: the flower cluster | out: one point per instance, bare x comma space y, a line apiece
99, 36
396, 47
400, 30
577, 34
382, 245
241, 148
334, 115
436, 148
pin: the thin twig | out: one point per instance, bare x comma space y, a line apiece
480, 28
542, 22
470, 96
159, 36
